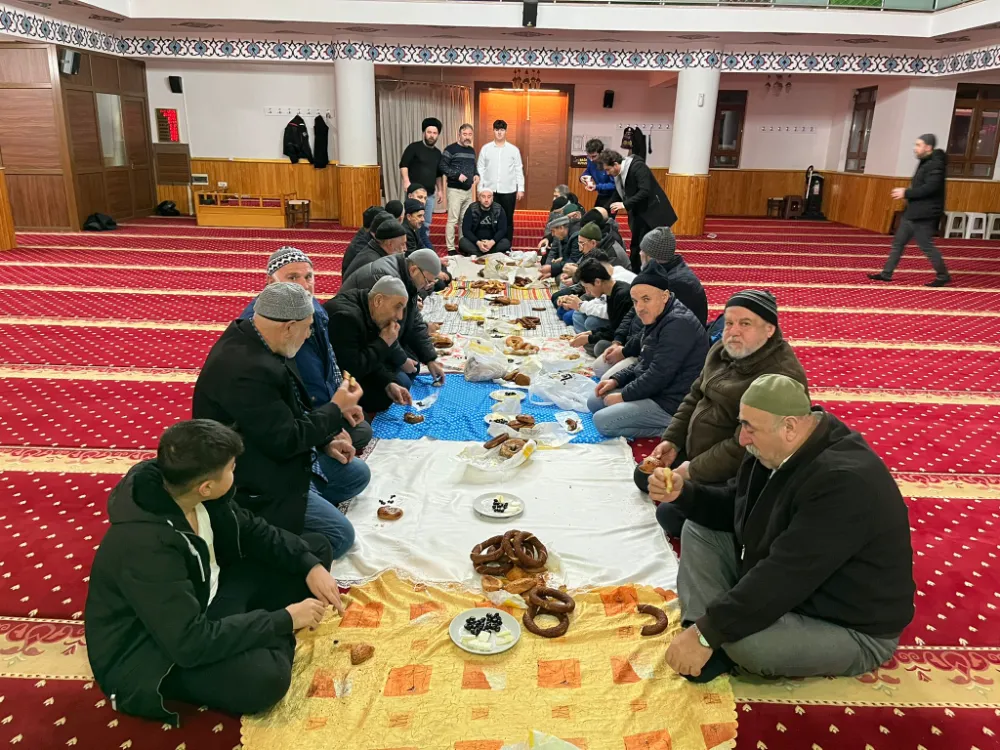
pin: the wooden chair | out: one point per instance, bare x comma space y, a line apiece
792, 207
296, 210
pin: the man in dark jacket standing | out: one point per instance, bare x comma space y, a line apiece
800, 567
639, 400
484, 228
389, 239
458, 165
193, 598
364, 328
924, 207
316, 363
299, 461
418, 272
421, 162
642, 197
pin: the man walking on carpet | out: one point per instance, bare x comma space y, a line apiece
924, 208
803, 565
420, 163
191, 597
458, 165
501, 170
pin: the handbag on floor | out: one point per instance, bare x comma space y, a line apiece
99, 223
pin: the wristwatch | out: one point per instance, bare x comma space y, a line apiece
701, 638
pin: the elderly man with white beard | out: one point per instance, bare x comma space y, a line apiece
702, 440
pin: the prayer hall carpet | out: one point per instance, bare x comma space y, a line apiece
102, 335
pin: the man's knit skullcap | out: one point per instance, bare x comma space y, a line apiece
426, 260
779, 395
389, 229
284, 301
390, 286
757, 301
283, 256
659, 244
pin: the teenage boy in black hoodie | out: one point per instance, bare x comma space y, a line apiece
192, 598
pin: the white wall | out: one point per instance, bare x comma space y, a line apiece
221, 112
903, 111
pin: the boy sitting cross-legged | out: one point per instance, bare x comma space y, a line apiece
192, 598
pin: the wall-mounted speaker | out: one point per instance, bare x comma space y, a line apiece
609, 99
175, 84
69, 62
529, 16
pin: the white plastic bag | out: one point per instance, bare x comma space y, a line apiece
483, 361
567, 390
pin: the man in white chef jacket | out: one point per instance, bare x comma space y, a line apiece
501, 170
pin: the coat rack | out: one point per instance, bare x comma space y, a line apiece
644, 125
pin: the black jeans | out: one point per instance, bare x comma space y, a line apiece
923, 232
469, 248
256, 679
639, 230
508, 201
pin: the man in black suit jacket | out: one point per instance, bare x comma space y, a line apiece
642, 197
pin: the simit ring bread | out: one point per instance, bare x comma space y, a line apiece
661, 619
551, 600
555, 631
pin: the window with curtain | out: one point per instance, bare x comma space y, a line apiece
973, 139
727, 139
401, 108
861, 129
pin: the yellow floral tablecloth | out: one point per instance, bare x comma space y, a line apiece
603, 686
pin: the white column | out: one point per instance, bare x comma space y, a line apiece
355, 93
694, 120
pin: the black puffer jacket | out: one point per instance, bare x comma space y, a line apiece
149, 589
296, 141
925, 196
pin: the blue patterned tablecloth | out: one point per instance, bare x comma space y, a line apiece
458, 413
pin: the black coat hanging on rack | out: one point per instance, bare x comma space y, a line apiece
321, 140
296, 141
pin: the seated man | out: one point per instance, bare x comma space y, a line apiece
597, 283
657, 251
639, 400
701, 438
562, 206
389, 239
397, 210
572, 302
802, 566
315, 361
361, 237
192, 598
588, 240
564, 247
413, 222
364, 328
299, 462
418, 192
484, 228
418, 272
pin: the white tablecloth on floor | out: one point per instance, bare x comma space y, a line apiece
579, 500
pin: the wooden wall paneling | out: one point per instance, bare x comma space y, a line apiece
172, 163
84, 132
118, 189
179, 195
278, 177
105, 73
143, 193
8, 240
29, 132
91, 197
62, 127
861, 200
744, 192
688, 195
982, 196
132, 75
135, 117
24, 65
38, 201
357, 188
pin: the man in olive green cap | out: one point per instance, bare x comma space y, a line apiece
801, 566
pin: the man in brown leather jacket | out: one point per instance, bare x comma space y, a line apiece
702, 441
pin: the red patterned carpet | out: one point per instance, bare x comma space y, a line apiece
103, 335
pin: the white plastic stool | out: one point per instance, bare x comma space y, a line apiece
992, 226
975, 226
956, 223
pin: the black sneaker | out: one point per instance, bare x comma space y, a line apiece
940, 282
879, 277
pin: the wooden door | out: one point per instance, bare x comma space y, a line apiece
547, 115
135, 114
538, 124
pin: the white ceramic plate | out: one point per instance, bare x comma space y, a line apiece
457, 629
483, 505
500, 395
498, 418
